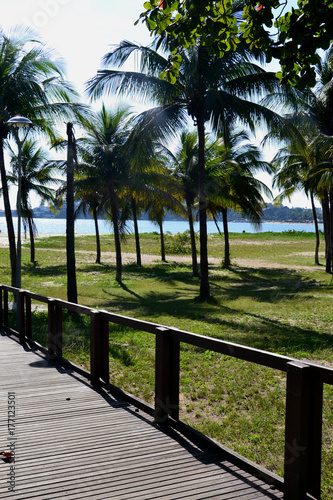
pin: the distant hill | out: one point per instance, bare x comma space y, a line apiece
271, 214
282, 214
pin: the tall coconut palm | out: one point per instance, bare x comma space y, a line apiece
32, 85
88, 191
184, 167
232, 163
306, 162
319, 183
150, 188
70, 215
38, 176
160, 203
320, 114
104, 152
208, 89
295, 165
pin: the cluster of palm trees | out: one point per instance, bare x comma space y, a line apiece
305, 162
189, 152
216, 95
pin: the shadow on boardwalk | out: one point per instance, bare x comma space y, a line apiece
73, 442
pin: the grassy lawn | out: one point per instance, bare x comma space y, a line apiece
274, 298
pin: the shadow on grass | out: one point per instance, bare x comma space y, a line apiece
262, 284
162, 270
128, 290
280, 337
256, 330
179, 302
33, 269
121, 353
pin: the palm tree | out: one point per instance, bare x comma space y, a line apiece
157, 215
32, 85
88, 191
184, 167
319, 114
307, 162
70, 215
104, 152
295, 165
37, 177
319, 182
231, 165
208, 89
150, 186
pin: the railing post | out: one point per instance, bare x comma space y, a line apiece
20, 315
99, 348
28, 322
315, 438
5, 307
58, 332
54, 329
166, 375
297, 431
1, 307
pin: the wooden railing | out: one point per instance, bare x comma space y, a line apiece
304, 394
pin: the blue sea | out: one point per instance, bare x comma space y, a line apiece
86, 226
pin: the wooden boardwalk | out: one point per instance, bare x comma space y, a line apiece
75, 442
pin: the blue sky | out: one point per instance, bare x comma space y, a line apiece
82, 31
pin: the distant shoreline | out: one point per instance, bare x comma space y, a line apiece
271, 214
243, 221
87, 226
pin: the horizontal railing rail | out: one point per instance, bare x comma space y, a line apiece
304, 392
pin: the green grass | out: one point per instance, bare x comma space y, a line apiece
273, 298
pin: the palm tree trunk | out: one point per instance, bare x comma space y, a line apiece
8, 212
195, 268
226, 263
116, 234
315, 220
326, 220
217, 226
98, 241
331, 230
70, 219
162, 242
204, 280
32, 239
136, 232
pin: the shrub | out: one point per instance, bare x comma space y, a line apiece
179, 243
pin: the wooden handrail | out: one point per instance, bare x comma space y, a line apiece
304, 395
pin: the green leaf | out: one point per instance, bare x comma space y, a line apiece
151, 24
